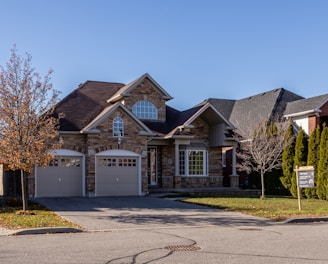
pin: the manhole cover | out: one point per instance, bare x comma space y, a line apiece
182, 248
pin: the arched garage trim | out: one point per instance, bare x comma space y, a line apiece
109, 155
62, 153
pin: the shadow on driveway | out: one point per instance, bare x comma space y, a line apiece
110, 213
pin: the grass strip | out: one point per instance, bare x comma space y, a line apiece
38, 216
275, 208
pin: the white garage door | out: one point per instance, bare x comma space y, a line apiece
117, 175
63, 177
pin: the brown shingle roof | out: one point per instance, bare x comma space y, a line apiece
84, 104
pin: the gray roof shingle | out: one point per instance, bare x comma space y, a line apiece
248, 112
304, 105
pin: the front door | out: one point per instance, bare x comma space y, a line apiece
152, 166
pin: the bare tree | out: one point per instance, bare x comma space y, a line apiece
27, 129
261, 150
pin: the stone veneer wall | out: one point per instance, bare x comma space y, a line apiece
147, 92
90, 144
105, 141
215, 173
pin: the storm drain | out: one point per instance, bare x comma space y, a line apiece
182, 248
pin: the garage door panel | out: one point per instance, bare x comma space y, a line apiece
117, 176
59, 181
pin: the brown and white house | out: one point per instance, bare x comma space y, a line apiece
308, 113
124, 140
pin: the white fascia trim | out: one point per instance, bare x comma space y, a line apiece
118, 152
135, 83
202, 110
314, 111
91, 131
118, 97
65, 152
179, 137
102, 116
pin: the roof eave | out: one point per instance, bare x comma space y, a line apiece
313, 111
63, 132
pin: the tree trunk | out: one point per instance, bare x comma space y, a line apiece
24, 191
262, 185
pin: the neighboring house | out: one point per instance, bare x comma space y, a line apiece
245, 114
124, 140
308, 113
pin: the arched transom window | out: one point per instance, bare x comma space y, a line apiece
118, 127
145, 110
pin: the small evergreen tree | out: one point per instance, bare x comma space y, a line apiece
300, 159
313, 158
322, 177
288, 158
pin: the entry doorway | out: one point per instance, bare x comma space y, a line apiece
152, 166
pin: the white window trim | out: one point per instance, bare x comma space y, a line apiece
115, 122
136, 110
186, 163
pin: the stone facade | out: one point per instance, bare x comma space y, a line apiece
146, 91
97, 136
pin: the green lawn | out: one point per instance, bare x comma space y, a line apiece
276, 208
12, 217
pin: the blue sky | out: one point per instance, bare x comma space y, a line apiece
195, 49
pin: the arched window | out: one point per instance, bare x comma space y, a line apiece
118, 127
144, 110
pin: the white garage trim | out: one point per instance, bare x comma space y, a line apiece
64, 153
119, 153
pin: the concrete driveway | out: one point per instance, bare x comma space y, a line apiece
116, 213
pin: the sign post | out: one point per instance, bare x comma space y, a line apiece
304, 179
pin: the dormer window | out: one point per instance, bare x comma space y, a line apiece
118, 127
145, 110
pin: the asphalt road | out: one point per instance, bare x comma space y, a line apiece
229, 244
153, 230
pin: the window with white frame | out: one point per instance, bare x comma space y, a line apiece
118, 127
193, 162
145, 110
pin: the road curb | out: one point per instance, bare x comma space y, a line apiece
40, 231
306, 220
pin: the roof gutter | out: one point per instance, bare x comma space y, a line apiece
314, 111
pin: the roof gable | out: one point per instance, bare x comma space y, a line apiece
249, 111
91, 127
125, 90
306, 106
180, 119
84, 104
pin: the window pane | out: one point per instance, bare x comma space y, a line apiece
196, 163
182, 162
145, 110
118, 127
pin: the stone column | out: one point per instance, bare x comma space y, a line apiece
234, 177
176, 164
